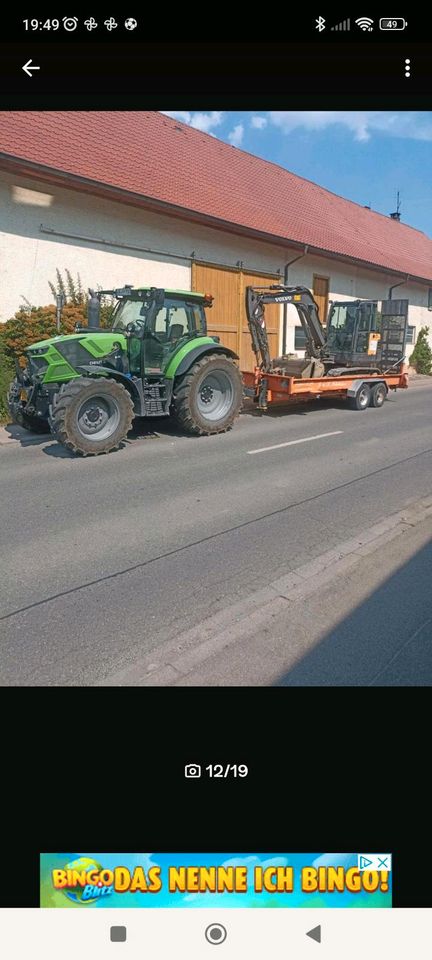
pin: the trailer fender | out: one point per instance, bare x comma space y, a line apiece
357, 384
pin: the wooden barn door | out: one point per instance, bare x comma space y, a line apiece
321, 295
224, 286
227, 317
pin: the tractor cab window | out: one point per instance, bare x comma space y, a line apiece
173, 324
176, 320
130, 311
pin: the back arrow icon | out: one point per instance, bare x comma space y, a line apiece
28, 68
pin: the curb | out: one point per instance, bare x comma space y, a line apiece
174, 660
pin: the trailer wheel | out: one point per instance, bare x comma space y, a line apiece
362, 398
378, 395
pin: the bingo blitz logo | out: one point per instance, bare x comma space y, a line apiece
84, 880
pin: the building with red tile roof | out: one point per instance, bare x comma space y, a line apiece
196, 200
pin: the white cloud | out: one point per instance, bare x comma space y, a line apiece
362, 124
258, 123
236, 135
200, 121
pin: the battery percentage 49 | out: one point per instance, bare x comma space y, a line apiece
397, 23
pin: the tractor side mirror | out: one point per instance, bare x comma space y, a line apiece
132, 327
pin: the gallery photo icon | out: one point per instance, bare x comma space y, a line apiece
192, 771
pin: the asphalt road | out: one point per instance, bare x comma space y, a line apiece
105, 559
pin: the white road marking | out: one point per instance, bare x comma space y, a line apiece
291, 443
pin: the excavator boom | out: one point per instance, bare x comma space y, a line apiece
307, 309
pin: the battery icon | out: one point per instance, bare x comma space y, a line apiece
397, 23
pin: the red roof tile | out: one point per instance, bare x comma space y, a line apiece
152, 155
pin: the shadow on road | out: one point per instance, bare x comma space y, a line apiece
385, 641
25, 437
302, 408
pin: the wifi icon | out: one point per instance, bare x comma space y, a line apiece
365, 23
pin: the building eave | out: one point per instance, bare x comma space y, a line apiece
55, 177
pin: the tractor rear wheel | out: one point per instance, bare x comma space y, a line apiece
90, 416
209, 397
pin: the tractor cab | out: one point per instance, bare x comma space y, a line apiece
157, 323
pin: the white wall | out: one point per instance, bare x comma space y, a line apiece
347, 282
29, 258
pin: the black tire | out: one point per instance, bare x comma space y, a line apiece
86, 407
362, 398
34, 424
209, 397
378, 395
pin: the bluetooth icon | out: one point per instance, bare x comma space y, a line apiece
320, 24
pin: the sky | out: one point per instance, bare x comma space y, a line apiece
365, 156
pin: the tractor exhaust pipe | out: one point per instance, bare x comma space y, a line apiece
93, 310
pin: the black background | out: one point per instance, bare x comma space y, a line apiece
330, 770
277, 70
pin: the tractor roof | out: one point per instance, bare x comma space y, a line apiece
176, 293
128, 292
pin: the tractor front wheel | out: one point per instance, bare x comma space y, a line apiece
209, 397
91, 416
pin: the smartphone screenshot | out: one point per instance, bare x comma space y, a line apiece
215, 496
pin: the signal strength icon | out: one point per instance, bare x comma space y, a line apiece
343, 25
365, 23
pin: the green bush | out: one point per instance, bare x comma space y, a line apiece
39, 323
421, 357
7, 370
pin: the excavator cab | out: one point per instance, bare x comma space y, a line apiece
367, 333
350, 326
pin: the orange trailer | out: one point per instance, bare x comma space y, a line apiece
358, 357
270, 389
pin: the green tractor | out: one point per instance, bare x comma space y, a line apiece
157, 360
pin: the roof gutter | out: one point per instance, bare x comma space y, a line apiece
390, 293
60, 178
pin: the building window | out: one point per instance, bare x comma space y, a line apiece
299, 339
411, 335
430, 298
